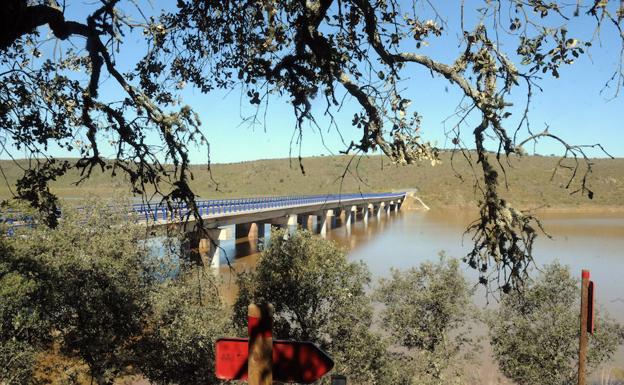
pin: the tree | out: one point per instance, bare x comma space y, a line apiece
317, 296
534, 334
428, 310
84, 285
91, 290
187, 318
301, 50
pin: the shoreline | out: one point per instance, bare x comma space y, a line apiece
563, 209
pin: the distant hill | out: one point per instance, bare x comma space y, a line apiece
528, 179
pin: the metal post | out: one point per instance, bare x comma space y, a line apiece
260, 361
583, 336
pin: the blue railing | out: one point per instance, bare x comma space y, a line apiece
160, 212
240, 205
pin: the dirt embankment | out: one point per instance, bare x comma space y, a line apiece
528, 182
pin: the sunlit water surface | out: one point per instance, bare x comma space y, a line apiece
593, 241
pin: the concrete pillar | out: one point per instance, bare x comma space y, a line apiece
367, 209
387, 207
288, 222
285, 221
209, 247
305, 221
326, 221
310, 223
257, 230
351, 213
348, 216
249, 230
380, 208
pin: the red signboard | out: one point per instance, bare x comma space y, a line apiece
293, 361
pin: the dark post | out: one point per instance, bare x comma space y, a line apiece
583, 336
260, 358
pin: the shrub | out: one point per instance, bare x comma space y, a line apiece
427, 311
534, 333
318, 296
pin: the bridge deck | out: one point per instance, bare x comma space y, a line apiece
217, 213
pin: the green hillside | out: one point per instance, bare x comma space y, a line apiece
528, 178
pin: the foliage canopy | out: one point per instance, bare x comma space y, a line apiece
318, 296
303, 50
428, 311
91, 290
534, 334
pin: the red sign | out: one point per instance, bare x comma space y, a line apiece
293, 361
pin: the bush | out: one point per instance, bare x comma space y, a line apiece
188, 317
318, 296
427, 310
534, 333
84, 285
91, 290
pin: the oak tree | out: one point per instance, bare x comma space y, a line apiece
318, 296
302, 50
534, 334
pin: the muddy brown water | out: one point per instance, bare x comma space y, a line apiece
581, 240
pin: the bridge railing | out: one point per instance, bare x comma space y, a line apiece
159, 212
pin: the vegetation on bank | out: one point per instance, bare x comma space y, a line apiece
88, 300
530, 184
91, 301
534, 333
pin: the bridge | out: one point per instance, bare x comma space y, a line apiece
249, 215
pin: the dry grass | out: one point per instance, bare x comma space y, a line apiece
529, 180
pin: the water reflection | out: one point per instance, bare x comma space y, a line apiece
592, 241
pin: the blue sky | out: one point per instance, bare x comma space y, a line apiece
572, 105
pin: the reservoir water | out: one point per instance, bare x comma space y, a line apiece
581, 240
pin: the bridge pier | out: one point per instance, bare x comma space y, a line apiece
285, 221
366, 212
253, 230
325, 219
288, 222
380, 208
206, 246
349, 215
306, 221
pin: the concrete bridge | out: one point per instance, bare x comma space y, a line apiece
249, 215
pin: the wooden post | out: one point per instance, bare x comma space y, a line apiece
583, 336
260, 328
